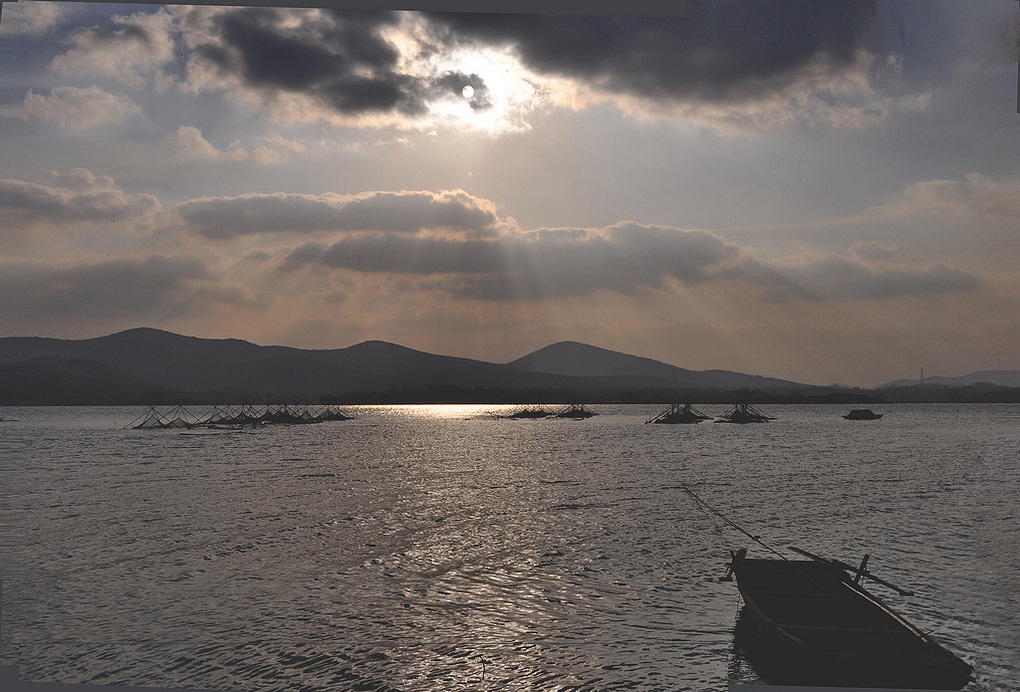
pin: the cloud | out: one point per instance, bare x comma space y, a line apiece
190, 143
730, 65
733, 66
409, 212
391, 253
832, 277
455, 243
819, 97
339, 59
131, 287
546, 263
31, 18
275, 150
451, 211
353, 68
132, 50
627, 258
79, 196
77, 110
976, 195
874, 250
716, 50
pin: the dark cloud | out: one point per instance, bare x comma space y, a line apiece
625, 258
77, 196
338, 57
358, 34
270, 56
355, 94
717, 49
839, 278
392, 253
414, 211
548, 263
133, 287
403, 212
228, 217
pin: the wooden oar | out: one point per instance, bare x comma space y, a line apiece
859, 571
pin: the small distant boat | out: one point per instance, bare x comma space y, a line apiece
744, 413
679, 413
575, 411
808, 622
862, 414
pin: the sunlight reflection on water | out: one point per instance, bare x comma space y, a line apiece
434, 411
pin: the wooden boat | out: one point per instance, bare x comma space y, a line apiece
862, 414
679, 413
808, 622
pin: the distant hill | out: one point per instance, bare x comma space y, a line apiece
999, 378
217, 369
75, 382
574, 359
155, 366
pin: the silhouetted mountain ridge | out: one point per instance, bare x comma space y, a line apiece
155, 366
74, 382
575, 359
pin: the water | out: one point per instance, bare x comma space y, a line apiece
436, 548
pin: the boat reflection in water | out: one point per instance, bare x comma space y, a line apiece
808, 622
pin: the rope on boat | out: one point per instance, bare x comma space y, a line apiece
704, 505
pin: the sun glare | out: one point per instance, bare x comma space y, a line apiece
499, 102
502, 100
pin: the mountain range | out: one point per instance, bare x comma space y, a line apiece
148, 365
151, 366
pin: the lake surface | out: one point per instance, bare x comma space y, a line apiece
438, 548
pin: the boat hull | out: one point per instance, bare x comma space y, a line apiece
807, 623
862, 414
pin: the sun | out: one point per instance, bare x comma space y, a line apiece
496, 95
501, 103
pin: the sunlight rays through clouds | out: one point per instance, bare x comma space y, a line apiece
746, 185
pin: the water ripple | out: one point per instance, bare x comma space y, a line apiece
408, 550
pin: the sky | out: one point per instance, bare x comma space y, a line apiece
822, 191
